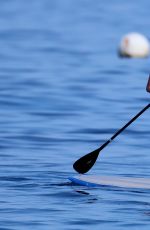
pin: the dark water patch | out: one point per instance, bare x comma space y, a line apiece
147, 213
24, 186
7, 228
3, 147
11, 102
133, 203
82, 192
27, 210
41, 141
134, 225
14, 178
65, 51
54, 115
114, 72
94, 131
61, 184
19, 223
5, 155
137, 133
31, 83
87, 222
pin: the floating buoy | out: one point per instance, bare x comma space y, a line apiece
134, 45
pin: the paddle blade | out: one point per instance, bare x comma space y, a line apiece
85, 163
148, 85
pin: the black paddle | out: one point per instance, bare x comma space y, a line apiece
85, 163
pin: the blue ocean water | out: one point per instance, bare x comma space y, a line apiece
63, 92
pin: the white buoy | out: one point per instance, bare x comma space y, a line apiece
134, 45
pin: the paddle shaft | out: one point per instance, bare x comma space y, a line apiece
124, 127
85, 163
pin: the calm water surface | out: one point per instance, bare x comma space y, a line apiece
63, 92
